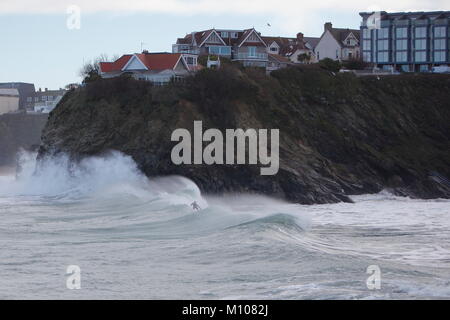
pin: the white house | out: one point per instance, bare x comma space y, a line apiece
46, 100
338, 44
159, 68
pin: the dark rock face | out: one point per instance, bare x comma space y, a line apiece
19, 131
339, 135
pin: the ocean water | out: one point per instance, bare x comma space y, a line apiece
138, 238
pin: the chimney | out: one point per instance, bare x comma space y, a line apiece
328, 26
299, 37
40, 90
46, 89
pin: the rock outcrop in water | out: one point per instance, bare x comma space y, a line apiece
339, 134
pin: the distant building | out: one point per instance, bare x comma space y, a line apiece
25, 90
159, 68
245, 46
407, 41
297, 50
338, 44
45, 101
9, 100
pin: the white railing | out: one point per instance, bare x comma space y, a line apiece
256, 56
176, 48
189, 51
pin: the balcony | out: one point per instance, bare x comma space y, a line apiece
189, 51
255, 56
180, 48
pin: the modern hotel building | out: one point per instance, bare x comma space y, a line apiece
406, 41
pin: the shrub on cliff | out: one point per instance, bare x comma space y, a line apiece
356, 64
330, 65
227, 83
123, 88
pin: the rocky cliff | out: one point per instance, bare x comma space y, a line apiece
339, 134
19, 131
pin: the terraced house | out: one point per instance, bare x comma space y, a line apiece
245, 46
406, 41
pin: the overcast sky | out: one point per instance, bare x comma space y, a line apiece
37, 46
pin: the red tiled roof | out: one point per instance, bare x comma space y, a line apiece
159, 61
288, 46
116, 65
153, 61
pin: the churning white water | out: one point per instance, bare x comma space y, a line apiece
134, 237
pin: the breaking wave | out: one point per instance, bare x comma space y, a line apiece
156, 208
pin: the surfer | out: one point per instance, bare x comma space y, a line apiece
195, 206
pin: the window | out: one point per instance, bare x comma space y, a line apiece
252, 51
401, 44
383, 57
36, 99
439, 44
224, 34
273, 49
367, 34
383, 33
44, 98
420, 44
337, 54
383, 45
401, 32
220, 50
50, 98
29, 99
234, 35
421, 56
440, 32
367, 44
423, 68
439, 56
191, 61
401, 56
318, 55
367, 56
421, 32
